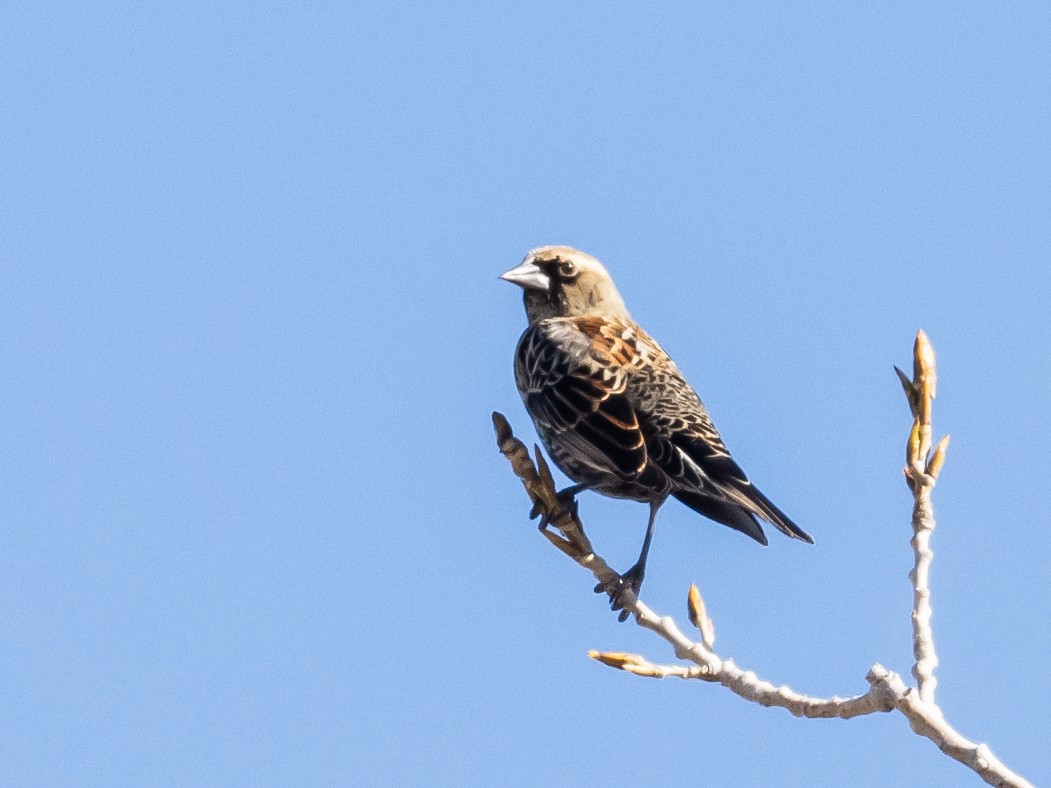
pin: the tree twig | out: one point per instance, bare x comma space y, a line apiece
886, 692
922, 466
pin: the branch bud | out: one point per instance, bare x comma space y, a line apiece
699, 616
565, 545
910, 391
923, 360
934, 467
542, 469
616, 659
912, 451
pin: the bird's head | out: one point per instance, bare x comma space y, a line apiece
560, 281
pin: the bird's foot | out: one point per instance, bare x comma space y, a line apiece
566, 498
623, 591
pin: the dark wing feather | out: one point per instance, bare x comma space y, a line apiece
684, 443
728, 482
574, 403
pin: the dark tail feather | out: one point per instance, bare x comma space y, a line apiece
776, 517
726, 513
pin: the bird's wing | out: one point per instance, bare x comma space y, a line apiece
573, 382
684, 443
681, 438
725, 480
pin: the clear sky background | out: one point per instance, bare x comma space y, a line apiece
255, 526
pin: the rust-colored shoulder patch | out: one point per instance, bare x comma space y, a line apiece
610, 338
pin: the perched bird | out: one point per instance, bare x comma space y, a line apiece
613, 409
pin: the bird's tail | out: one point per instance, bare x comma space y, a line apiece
725, 512
740, 514
769, 512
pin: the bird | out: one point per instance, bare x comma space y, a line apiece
614, 411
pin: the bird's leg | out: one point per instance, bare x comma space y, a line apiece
567, 498
634, 575
632, 579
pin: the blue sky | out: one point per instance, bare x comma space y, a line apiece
256, 530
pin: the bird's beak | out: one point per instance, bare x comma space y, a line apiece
528, 275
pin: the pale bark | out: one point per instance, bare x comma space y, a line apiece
886, 692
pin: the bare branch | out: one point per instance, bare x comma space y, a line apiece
922, 471
926, 720
886, 692
547, 503
706, 665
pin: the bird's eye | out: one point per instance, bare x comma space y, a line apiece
567, 270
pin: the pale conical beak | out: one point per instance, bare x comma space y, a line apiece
528, 275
